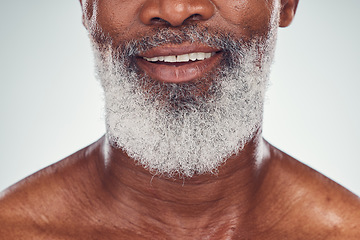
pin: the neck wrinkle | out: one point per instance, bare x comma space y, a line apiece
207, 197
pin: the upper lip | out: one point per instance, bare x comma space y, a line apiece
168, 50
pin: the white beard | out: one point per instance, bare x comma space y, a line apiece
199, 133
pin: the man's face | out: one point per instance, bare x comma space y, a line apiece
184, 81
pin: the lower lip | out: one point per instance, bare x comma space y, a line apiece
179, 72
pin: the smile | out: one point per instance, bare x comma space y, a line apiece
181, 58
176, 64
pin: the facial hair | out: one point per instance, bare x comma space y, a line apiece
189, 128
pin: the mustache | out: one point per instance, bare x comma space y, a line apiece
188, 33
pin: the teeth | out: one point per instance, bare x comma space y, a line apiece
201, 56
170, 59
181, 58
193, 56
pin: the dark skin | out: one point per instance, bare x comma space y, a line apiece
100, 193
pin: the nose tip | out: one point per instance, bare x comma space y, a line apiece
175, 12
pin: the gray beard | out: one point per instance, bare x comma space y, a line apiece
192, 128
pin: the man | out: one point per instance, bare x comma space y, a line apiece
183, 156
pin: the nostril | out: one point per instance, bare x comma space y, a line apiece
160, 21
194, 17
157, 20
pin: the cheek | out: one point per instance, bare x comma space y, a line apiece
245, 15
112, 17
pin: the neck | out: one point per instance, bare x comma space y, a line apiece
228, 193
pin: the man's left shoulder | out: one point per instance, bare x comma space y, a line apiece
311, 204
300, 203
331, 208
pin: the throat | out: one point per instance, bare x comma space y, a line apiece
200, 196
197, 206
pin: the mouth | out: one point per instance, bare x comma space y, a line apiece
177, 64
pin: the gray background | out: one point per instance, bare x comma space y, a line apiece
51, 104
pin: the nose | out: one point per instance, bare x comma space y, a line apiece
175, 12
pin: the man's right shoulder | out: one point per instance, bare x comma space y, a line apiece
27, 207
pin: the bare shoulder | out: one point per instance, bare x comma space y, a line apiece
29, 206
312, 204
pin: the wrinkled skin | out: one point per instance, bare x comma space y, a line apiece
100, 193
